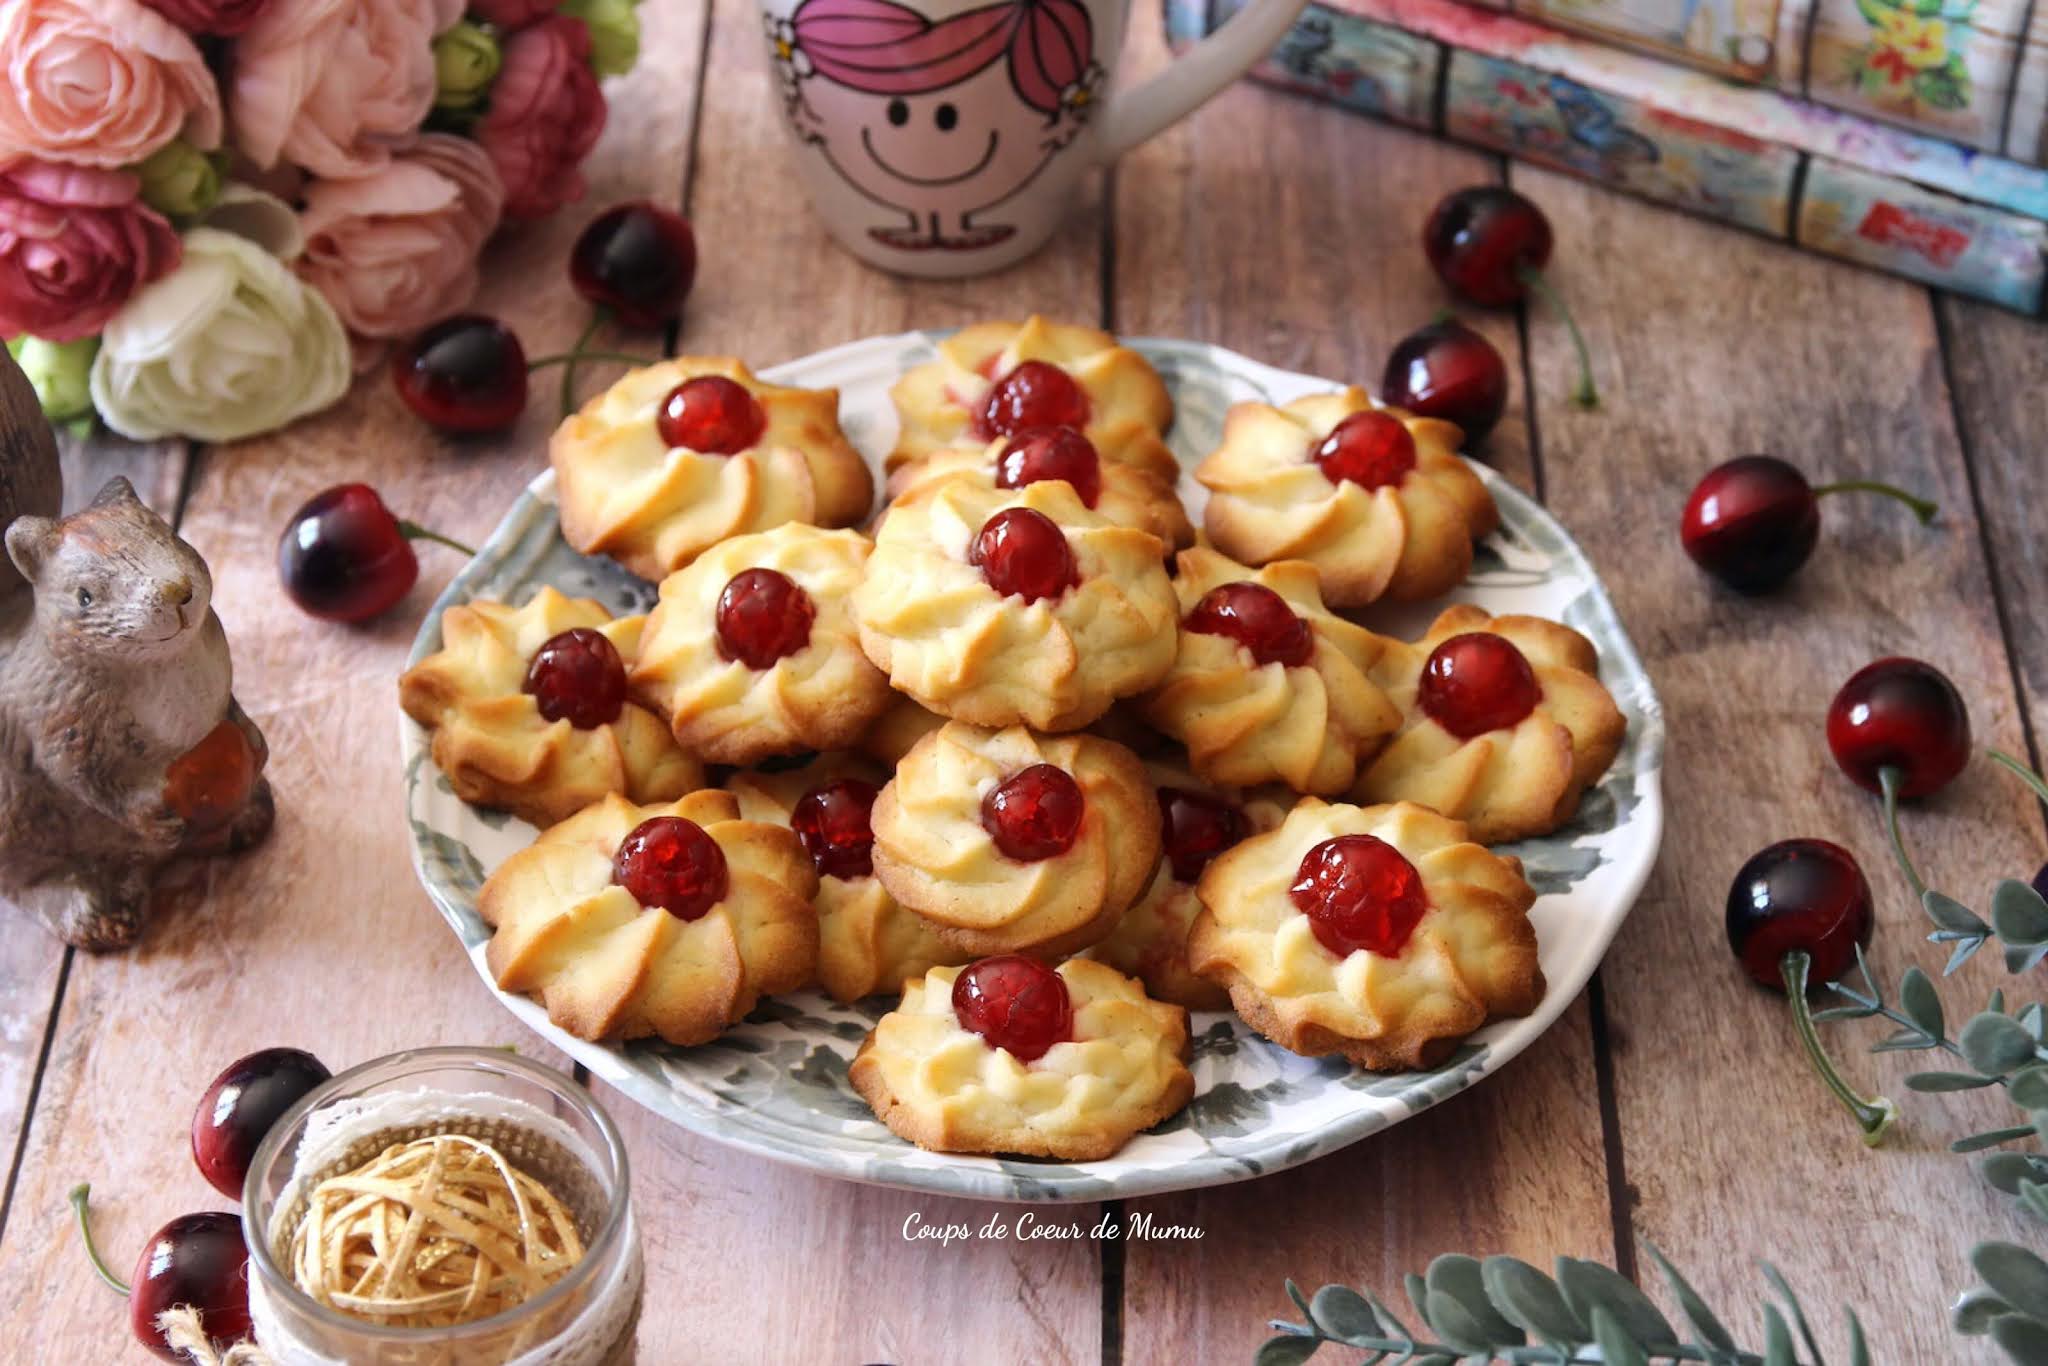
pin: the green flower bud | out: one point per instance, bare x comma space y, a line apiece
179, 181
466, 61
59, 371
614, 33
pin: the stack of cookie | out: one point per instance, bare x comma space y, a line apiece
1027, 750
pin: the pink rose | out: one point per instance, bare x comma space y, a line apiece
397, 249
224, 17
335, 86
546, 114
99, 82
511, 14
75, 242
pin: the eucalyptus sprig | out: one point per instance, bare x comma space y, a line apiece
1505, 1310
2019, 913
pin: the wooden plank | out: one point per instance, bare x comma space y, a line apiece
321, 939
1309, 261
1709, 344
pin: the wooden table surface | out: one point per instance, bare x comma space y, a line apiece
1668, 1105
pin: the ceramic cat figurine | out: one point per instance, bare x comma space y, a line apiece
121, 744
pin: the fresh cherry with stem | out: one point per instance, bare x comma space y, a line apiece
1798, 913
1898, 727
1490, 245
1446, 370
468, 374
344, 556
197, 1260
1751, 522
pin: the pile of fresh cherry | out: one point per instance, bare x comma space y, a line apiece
201, 1261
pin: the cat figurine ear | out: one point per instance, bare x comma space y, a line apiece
29, 542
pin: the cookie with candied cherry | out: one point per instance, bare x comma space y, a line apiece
752, 651
670, 920
1382, 933
999, 606
1127, 495
1269, 685
1007, 1055
1009, 841
1377, 500
1504, 724
866, 942
530, 712
679, 455
1006, 378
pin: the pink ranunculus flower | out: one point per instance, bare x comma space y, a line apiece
545, 115
335, 86
223, 17
511, 14
75, 243
99, 83
397, 249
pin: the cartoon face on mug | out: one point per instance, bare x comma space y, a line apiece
940, 122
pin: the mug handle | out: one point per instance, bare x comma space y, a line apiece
1193, 79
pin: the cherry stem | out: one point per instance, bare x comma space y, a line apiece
578, 357
2026, 775
1889, 779
1585, 395
1923, 508
81, 1198
413, 531
598, 318
1873, 1116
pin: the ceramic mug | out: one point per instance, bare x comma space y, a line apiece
945, 137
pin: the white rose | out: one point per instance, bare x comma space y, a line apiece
228, 345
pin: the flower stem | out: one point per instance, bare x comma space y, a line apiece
1889, 778
1585, 395
413, 531
578, 357
2026, 775
1923, 508
1873, 1116
598, 318
81, 1197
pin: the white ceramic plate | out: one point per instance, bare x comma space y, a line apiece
776, 1084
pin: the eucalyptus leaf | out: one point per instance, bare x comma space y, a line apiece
1777, 1340
2022, 1339
1464, 1280
1962, 955
2035, 1021
1300, 1300
1996, 1044
1531, 1300
1458, 1327
1590, 1288
1389, 1318
1343, 1314
2005, 1171
1859, 1349
1856, 1012
1286, 1350
1922, 1004
1997, 1004
1991, 1138
2029, 1087
2024, 960
1952, 914
1418, 1294
2014, 1274
1617, 1346
2019, 914
1948, 1081
2033, 1197
1704, 1325
1973, 1311
1784, 1288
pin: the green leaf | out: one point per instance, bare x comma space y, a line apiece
1446, 1314
1952, 914
2019, 914
1300, 1300
1777, 1340
2029, 1087
1990, 1138
1704, 1325
1388, 1317
2014, 1274
1859, 1350
2023, 960
1843, 1013
1418, 1294
1996, 1044
2033, 1198
1997, 1006
1590, 1287
1922, 1003
1973, 1311
2005, 1171
1962, 954
2023, 1339
1531, 1300
1784, 1288
1464, 1280
1343, 1314
1617, 1346
2034, 1020
1286, 1350
1947, 1081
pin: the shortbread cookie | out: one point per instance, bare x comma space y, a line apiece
1013, 842
752, 650
1381, 933
997, 606
626, 921
905, 723
1096, 1061
1269, 685
679, 455
1125, 494
866, 942
1378, 501
1002, 379
543, 740
1504, 724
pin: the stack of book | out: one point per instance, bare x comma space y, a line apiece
1909, 135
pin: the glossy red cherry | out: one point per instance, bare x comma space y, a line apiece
344, 557
1359, 892
1751, 522
1023, 553
1448, 371
637, 260
199, 1260
240, 1108
578, 677
763, 616
832, 820
1490, 245
465, 374
1014, 1003
671, 863
711, 415
1035, 394
1902, 714
1371, 449
1052, 453
1257, 618
1035, 814
1477, 682
1194, 827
